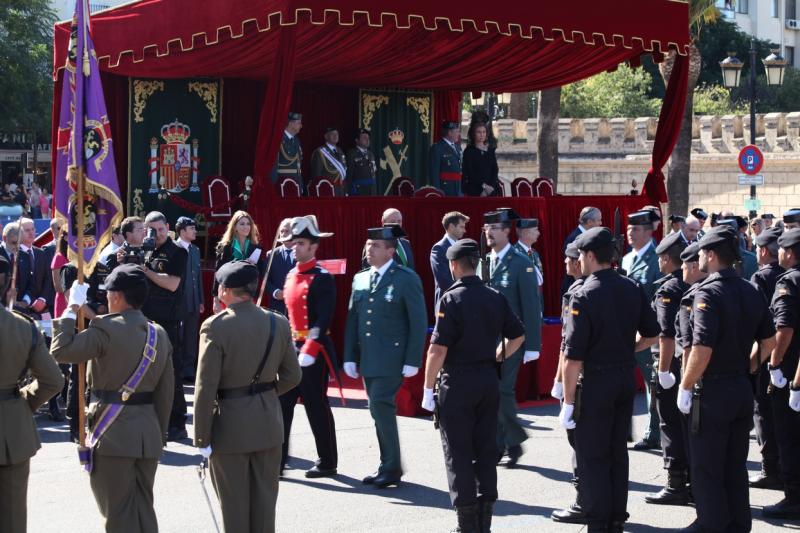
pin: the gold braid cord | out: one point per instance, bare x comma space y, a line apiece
371, 103
422, 104
142, 90
208, 92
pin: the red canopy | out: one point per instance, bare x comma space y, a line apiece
454, 45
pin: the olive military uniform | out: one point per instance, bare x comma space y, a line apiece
126, 457
246, 432
329, 162
23, 350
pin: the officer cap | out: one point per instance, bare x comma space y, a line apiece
691, 254
464, 248
450, 125
655, 214
183, 223
768, 216
293, 115
572, 251
791, 216
768, 236
524, 223
125, 277
502, 215
790, 238
640, 218
306, 228
388, 232
676, 218
237, 274
723, 234
698, 213
595, 239
730, 222
330, 129
672, 241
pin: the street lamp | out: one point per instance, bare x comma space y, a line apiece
774, 65
491, 102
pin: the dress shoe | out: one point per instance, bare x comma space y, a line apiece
175, 434
315, 472
370, 479
645, 444
571, 515
766, 480
787, 508
386, 479
514, 453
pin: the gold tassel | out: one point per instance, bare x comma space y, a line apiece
86, 67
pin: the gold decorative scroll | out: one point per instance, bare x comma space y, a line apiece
208, 92
138, 204
371, 103
142, 90
422, 104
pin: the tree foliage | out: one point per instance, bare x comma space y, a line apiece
624, 92
26, 53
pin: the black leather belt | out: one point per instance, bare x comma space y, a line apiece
112, 396
247, 390
9, 394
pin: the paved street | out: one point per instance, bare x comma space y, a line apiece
60, 499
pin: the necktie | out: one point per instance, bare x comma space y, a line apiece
374, 281
530, 253
402, 253
30, 253
493, 265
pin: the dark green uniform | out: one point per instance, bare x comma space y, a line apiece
444, 162
290, 157
361, 170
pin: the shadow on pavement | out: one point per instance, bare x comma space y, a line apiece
171, 458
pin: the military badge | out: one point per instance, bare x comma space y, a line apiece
389, 293
504, 280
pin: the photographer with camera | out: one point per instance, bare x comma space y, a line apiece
133, 249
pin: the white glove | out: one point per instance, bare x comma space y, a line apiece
77, 293
557, 391
305, 360
565, 416
684, 400
409, 371
776, 377
206, 452
666, 379
794, 400
351, 370
529, 356
428, 403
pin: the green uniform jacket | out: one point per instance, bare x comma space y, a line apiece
443, 158
515, 279
290, 159
644, 270
386, 327
749, 264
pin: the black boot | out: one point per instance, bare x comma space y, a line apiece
468, 519
571, 515
675, 493
767, 479
616, 527
486, 509
787, 508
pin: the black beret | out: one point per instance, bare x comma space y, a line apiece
572, 251
698, 212
237, 274
295, 116
792, 216
674, 240
769, 216
676, 218
730, 222
125, 277
595, 239
450, 125
388, 232
790, 238
691, 254
768, 236
502, 215
641, 218
464, 248
523, 223
723, 234
184, 222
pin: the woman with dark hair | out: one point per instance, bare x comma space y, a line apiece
479, 166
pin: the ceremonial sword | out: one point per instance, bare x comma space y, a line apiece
201, 474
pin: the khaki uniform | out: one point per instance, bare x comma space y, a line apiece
246, 433
126, 457
18, 437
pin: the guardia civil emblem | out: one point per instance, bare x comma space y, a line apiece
174, 163
395, 153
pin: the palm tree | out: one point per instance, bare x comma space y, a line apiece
549, 111
701, 12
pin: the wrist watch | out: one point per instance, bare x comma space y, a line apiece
771, 368
792, 386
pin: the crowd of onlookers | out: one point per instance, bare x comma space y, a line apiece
33, 200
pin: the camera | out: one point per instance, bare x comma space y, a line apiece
140, 255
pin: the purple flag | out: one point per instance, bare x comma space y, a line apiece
85, 149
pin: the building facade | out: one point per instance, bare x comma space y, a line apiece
777, 21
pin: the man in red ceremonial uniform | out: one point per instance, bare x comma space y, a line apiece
310, 296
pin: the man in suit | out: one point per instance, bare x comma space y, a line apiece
361, 167
49, 250
641, 265
32, 272
193, 299
244, 445
444, 160
328, 161
455, 226
527, 234
590, 217
23, 350
9, 251
403, 256
384, 339
282, 262
126, 351
513, 275
290, 154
